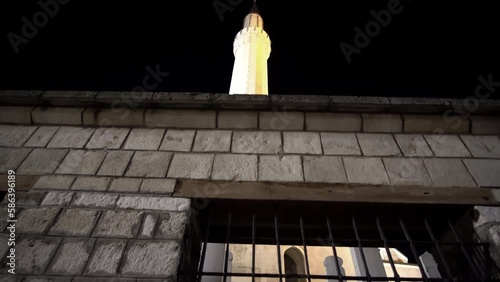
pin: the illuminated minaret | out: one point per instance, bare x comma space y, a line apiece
251, 49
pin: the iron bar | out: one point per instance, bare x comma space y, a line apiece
276, 228
204, 250
305, 247
433, 238
413, 248
386, 246
464, 251
253, 247
360, 246
330, 233
226, 260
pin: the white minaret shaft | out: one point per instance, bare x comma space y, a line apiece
251, 49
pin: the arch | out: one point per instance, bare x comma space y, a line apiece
294, 264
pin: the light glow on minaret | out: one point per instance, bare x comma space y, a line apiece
251, 48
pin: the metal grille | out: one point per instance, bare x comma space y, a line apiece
444, 231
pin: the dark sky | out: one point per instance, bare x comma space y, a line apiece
429, 48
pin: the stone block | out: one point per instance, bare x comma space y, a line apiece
4, 247
144, 139
107, 138
193, 166
324, 169
281, 120
382, 123
235, 167
34, 253
118, 224
486, 216
407, 171
237, 120
318, 121
448, 173
447, 146
20, 115
115, 163
71, 257
125, 185
148, 225
256, 142
212, 141
485, 124
180, 118
35, 220
435, 124
70, 137
54, 182
42, 136
106, 258
55, 115
171, 225
31, 198
378, 144
81, 162
149, 164
413, 145
302, 143
160, 186
482, 146
74, 222
363, 170
57, 199
151, 259
153, 203
91, 183
280, 168
11, 158
15, 136
116, 117
89, 200
340, 144
178, 140
485, 172
42, 161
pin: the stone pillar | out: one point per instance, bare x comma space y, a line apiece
373, 260
214, 261
430, 265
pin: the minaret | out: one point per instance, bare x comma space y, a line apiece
251, 49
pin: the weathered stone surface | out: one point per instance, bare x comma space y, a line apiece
35, 220
448, 172
194, 166
235, 167
148, 225
91, 183
256, 142
86, 199
81, 162
340, 144
54, 182
151, 259
15, 136
317, 121
4, 247
435, 124
144, 139
413, 145
178, 140
106, 257
11, 158
42, 161
71, 256
482, 146
324, 169
109, 118
125, 185
382, 123
407, 171
102, 279
281, 120
74, 222
212, 141
153, 203
494, 240
118, 224
447, 146
115, 163
57, 199
55, 115
160, 186
107, 138
31, 198
71, 137
485, 124
378, 144
180, 118
149, 164
237, 120
485, 172
15, 114
365, 170
171, 225
45, 278
34, 253
301, 143
280, 168
42, 136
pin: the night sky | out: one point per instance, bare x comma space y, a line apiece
428, 49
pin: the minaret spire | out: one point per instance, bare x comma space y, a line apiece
251, 48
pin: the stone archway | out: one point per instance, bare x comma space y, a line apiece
294, 264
